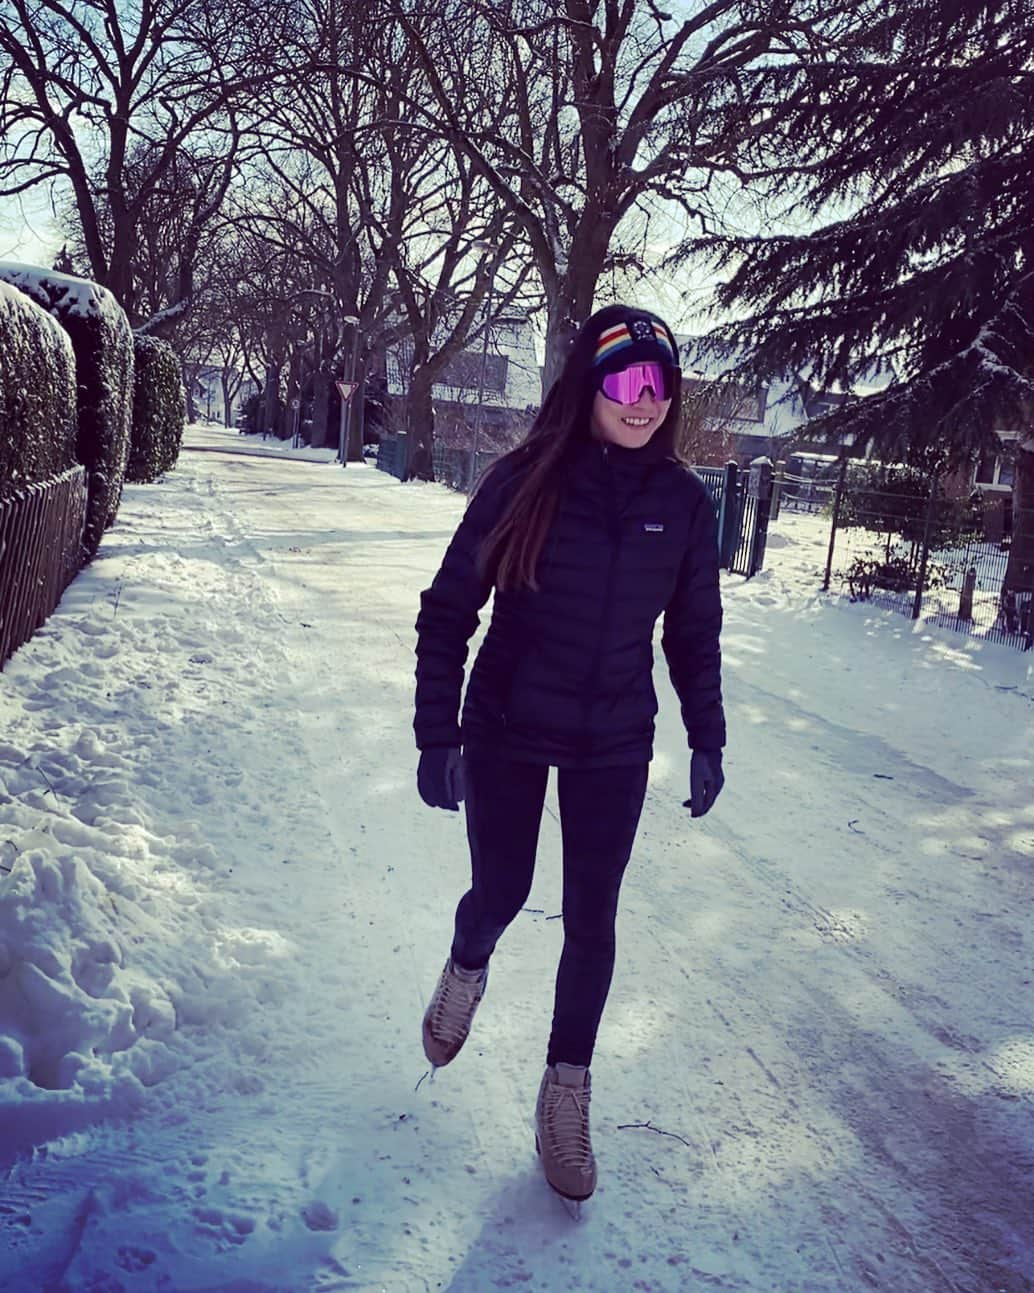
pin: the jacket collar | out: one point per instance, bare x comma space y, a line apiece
593, 452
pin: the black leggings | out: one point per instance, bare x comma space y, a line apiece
599, 813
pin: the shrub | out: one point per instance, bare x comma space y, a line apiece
37, 394
103, 345
159, 410
248, 417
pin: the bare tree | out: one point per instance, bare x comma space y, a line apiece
709, 410
400, 229
450, 244
174, 219
220, 332
610, 118
107, 100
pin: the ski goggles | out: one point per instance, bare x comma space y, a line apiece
626, 386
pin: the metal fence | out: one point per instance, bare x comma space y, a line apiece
900, 543
741, 499
41, 530
452, 466
742, 502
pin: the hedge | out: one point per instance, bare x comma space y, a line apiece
103, 345
37, 395
159, 410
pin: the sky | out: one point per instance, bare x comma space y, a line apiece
27, 229
29, 234
223, 907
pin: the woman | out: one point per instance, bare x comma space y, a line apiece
587, 532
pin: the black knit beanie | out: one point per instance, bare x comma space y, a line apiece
618, 335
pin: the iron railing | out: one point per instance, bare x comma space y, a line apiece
41, 530
741, 499
924, 555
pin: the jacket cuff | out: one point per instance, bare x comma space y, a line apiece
441, 739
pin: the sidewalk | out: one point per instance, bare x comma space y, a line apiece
226, 905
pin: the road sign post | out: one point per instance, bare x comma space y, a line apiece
346, 390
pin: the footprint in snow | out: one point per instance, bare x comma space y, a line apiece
230, 1228
135, 1259
318, 1216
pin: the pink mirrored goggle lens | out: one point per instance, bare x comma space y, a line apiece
626, 386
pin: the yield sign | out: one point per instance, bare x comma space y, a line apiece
346, 389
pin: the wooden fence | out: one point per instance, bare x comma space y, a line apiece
41, 530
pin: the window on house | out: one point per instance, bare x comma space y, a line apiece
986, 470
996, 469
731, 401
464, 371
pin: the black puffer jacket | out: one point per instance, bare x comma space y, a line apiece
565, 674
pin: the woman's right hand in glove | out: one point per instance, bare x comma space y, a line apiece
439, 777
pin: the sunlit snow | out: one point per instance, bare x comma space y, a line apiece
223, 905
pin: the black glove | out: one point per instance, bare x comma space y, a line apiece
439, 777
705, 781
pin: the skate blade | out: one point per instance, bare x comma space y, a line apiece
573, 1207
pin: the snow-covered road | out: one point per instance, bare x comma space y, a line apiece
223, 904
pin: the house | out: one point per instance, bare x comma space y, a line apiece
494, 385
206, 391
992, 479
768, 420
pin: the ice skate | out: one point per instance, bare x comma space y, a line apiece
562, 1131
450, 1012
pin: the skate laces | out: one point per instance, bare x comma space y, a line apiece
566, 1118
457, 1000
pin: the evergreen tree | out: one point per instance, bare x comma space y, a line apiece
908, 156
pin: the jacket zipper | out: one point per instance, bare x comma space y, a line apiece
614, 536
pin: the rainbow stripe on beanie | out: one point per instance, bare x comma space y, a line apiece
622, 335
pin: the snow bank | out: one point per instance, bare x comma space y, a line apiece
116, 948
86, 1000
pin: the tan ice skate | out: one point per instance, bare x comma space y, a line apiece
562, 1130
450, 1011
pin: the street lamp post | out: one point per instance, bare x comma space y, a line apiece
346, 405
481, 390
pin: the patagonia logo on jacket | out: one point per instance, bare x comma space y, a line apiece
653, 527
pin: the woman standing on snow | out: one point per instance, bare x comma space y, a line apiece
587, 531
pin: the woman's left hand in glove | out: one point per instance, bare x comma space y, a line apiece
705, 781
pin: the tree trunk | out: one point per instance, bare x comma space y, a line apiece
324, 436
560, 330
231, 383
420, 426
272, 391
1019, 574
574, 297
188, 390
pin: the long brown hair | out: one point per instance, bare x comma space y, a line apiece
512, 548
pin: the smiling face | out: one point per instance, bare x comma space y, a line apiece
629, 425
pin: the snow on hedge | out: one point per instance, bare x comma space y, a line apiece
103, 345
61, 294
37, 394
